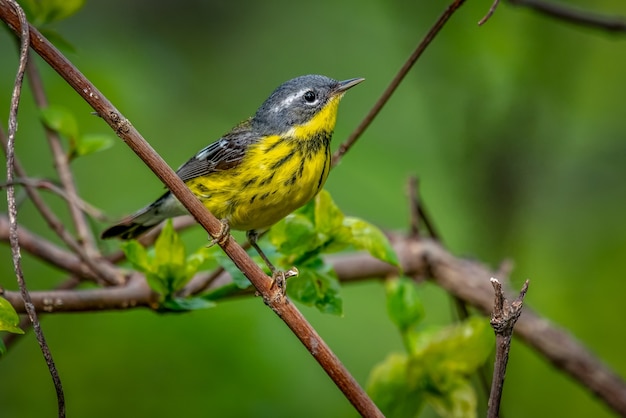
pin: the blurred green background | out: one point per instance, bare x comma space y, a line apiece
515, 129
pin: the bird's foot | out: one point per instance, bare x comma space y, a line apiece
223, 235
279, 279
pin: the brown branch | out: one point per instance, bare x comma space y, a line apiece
505, 315
272, 296
48, 185
24, 36
490, 13
465, 279
395, 82
469, 280
47, 251
135, 294
579, 17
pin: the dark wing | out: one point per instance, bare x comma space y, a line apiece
223, 154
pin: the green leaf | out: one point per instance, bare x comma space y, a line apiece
404, 304
157, 284
187, 304
46, 11
239, 279
169, 259
459, 402
365, 236
317, 285
202, 256
454, 351
328, 216
9, 319
137, 255
91, 143
460, 348
61, 120
394, 391
294, 236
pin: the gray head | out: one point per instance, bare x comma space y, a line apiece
297, 101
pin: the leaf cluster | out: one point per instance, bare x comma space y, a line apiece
436, 367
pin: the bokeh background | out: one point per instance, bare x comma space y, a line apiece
515, 129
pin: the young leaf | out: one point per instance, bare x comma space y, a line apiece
459, 401
169, 259
91, 143
137, 255
9, 319
240, 280
187, 304
61, 120
294, 236
42, 12
396, 393
365, 236
404, 304
460, 348
328, 216
317, 285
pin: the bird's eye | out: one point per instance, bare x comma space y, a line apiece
310, 97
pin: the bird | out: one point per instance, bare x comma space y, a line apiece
261, 170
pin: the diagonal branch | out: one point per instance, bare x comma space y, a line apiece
395, 82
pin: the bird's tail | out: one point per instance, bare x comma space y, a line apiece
140, 222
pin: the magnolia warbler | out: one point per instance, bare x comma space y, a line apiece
263, 169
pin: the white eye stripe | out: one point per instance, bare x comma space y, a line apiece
289, 100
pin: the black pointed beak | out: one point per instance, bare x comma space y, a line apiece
346, 84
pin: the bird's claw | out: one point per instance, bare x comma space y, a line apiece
223, 235
279, 279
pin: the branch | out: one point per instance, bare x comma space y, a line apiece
395, 82
12, 209
469, 281
47, 251
466, 279
505, 315
272, 296
579, 17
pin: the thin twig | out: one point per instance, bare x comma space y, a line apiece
104, 270
61, 163
414, 204
12, 209
47, 251
568, 14
395, 82
45, 184
490, 13
505, 315
272, 295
